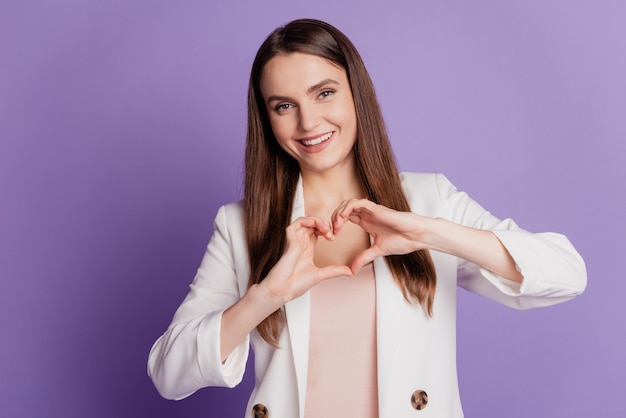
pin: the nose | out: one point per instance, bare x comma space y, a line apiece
308, 118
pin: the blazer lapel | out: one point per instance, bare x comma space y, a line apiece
389, 299
298, 319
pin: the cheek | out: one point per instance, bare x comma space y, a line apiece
346, 113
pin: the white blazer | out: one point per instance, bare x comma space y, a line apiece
415, 352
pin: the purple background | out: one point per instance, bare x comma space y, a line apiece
121, 131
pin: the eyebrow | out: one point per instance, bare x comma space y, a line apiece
310, 90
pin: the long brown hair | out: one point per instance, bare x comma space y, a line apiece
271, 175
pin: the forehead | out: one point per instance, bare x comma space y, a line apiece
292, 74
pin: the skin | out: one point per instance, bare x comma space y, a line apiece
309, 98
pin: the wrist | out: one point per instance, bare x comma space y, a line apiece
433, 233
263, 299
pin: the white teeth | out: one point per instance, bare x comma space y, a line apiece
318, 140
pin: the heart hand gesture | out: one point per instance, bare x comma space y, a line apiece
393, 232
296, 273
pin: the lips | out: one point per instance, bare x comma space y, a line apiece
317, 140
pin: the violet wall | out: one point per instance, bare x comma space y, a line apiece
121, 131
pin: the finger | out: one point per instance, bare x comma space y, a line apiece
324, 229
360, 206
343, 212
330, 272
337, 219
355, 218
301, 235
321, 228
366, 256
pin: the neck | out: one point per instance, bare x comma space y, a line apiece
324, 191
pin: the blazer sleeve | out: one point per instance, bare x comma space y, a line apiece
187, 356
552, 269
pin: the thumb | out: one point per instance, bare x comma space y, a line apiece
365, 257
330, 272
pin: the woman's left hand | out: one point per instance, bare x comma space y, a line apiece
393, 232
397, 233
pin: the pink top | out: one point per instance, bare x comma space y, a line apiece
342, 378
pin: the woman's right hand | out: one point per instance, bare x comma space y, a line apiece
292, 276
295, 273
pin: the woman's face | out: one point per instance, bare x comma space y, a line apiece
311, 110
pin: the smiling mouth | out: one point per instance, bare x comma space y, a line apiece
316, 141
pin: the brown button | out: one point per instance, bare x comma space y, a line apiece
419, 399
260, 411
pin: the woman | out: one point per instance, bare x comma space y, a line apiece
340, 272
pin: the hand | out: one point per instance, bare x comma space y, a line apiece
393, 232
295, 273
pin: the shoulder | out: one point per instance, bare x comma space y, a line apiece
411, 180
421, 183
233, 210
229, 218
426, 192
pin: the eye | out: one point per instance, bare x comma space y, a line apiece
283, 106
326, 93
